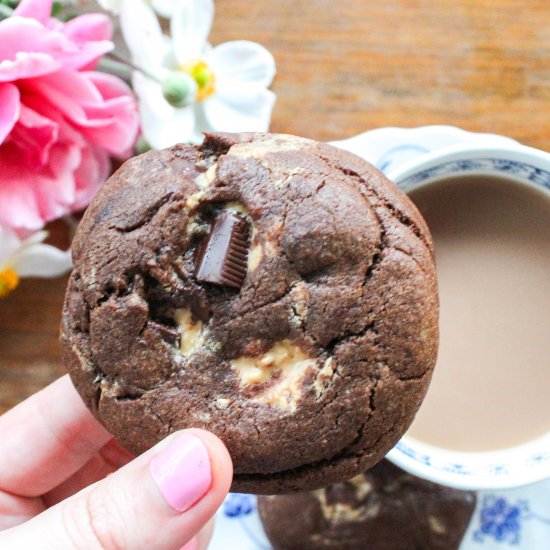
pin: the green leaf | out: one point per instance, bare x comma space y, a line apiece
10, 3
56, 8
5, 11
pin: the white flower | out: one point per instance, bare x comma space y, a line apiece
28, 258
111, 5
186, 86
163, 7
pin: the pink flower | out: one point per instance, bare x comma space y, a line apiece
59, 120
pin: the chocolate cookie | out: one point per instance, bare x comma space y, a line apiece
382, 509
274, 290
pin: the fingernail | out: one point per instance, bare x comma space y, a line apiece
181, 471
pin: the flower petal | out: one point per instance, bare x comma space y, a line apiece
18, 34
27, 65
119, 111
165, 8
42, 260
111, 5
142, 34
93, 171
109, 120
19, 206
239, 110
109, 86
190, 26
162, 125
36, 238
10, 107
35, 9
91, 27
67, 91
242, 62
34, 135
31, 197
56, 192
87, 56
9, 243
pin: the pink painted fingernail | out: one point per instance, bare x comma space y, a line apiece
181, 471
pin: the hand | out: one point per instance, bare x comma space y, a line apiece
54, 492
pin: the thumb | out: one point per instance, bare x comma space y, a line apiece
160, 500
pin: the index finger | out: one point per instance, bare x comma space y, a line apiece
47, 438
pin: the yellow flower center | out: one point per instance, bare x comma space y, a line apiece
204, 76
8, 281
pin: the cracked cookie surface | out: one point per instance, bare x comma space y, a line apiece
314, 367
382, 509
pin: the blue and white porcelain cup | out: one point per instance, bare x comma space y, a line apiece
511, 467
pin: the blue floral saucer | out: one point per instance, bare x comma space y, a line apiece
512, 518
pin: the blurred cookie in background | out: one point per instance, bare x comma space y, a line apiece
382, 509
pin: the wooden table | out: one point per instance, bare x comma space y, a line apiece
344, 67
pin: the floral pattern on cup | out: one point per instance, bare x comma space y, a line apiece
502, 167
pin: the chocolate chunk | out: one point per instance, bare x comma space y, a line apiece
222, 256
168, 334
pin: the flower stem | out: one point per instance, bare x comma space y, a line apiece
108, 65
121, 62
